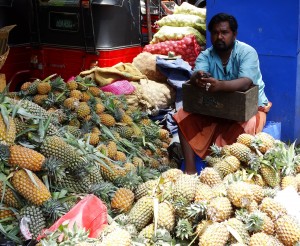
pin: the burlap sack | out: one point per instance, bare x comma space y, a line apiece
145, 62
151, 96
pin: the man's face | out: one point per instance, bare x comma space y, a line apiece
222, 38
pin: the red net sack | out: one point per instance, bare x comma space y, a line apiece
188, 48
90, 213
119, 87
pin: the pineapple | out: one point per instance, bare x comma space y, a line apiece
107, 119
219, 209
26, 158
99, 108
111, 149
258, 192
210, 176
147, 232
85, 96
122, 200
83, 110
219, 190
171, 175
240, 151
229, 164
118, 236
287, 230
142, 212
240, 194
43, 88
240, 228
214, 235
185, 187
146, 188
74, 184
245, 139
5, 212
57, 147
262, 239
126, 119
272, 208
71, 103
270, 175
40, 99
35, 192
204, 193
125, 131
72, 85
267, 141
120, 156
137, 161
76, 94
9, 197
36, 221
25, 85
166, 216
289, 181
95, 91
111, 172
94, 138
258, 221
7, 132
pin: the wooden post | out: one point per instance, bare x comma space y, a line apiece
2, 81
148, 14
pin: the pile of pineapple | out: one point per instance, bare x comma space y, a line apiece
61, 141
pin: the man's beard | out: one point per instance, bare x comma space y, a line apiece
222, 47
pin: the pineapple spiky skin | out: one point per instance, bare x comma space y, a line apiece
210, 176
9, 196
229, 164
245, 139
204, 193
258, 192
240, 151
272, 208
214, 235
270, 176
72, 85
113, 172
137, 161
258, 221
5, 212
267, 141
120, 156
76, 94
74, 184
57, 147
145, 189
7, 133
219, 209
71, 103
36, 221
289, 181
107, 119
260, 238
287, 230
118, 236
185, 187
171, 175
26, 158
166, 216
147, 232
122, 200
240, 228
141, 213
240, 194
43, 88
37, 195
83, 110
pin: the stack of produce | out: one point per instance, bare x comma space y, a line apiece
62, 140
79, 141
181, 33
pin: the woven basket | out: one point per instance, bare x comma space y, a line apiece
3, 58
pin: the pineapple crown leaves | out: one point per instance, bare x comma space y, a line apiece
162, 237
147, 173
196, 210
254, 221
57, 84
184, 229
130, 181
54, 167
215, 150
53, 209
289, 160
105, 191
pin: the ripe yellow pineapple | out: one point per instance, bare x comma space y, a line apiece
267, 141
72, 85
113, 172
214, 235
107, 119
83, 110
25, 85
147, 232
9, 196
76, 93
141, 213
122, 200
43, 88
94, 90
117, 236
287, 230
258, 221
94, 138
166, 216
99, 108
203, 193
270, 175
7, 133
26, 158
146, 188
240, 228
35, 193
260, 238
39, 99
272, 208
85, 96
228, 164
289, 181
163, 134
126, 119
71, 103
111, 149
185, 187
137, 161
120, 156
258, 192
219, 209
240, 151
245, 139
240, 194
171, 175
210, 176
5, 212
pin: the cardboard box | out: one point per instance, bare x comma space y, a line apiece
238, 106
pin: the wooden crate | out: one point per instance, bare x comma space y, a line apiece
238, 106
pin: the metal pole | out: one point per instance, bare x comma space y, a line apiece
148, 20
